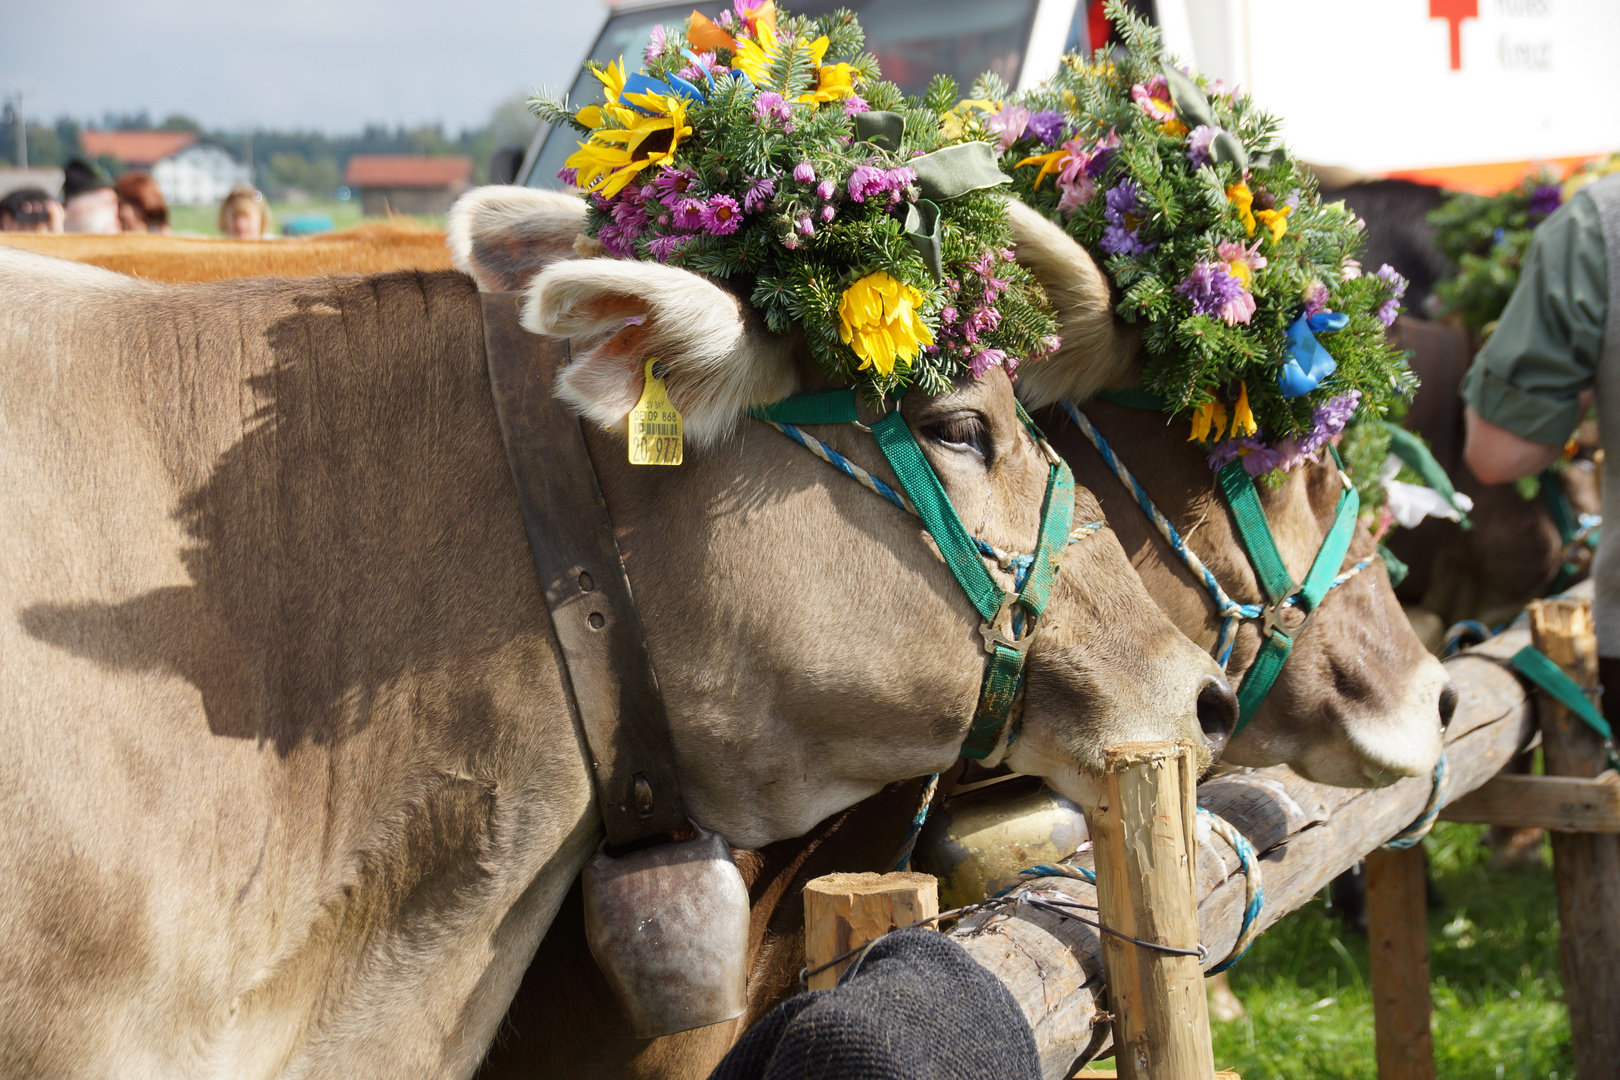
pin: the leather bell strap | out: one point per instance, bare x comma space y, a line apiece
604, 648
1255, 532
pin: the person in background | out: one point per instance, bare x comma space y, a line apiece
1555, 348
89, 203
244, 215
30, 210
141, 208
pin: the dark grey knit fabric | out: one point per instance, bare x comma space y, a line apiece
918, 1008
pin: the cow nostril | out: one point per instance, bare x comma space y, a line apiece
1217, 713
1448, 704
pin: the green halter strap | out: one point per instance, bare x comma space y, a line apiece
1250, 518
1007, 633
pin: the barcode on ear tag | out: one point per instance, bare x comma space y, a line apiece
655, 424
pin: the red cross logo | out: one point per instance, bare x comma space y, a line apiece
1454, 12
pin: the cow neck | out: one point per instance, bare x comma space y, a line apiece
587, 591
1010, 619
1249, 518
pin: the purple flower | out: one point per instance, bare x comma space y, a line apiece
1316, 299
804, 173
825, 189
655, 45
1047, 126
759, 193
671, 185
722, 217
616, 242
1544, 200
698, 71
1328, 419
771, 104
664, 248
855, 104
569, 177
864, 180
828, 212
1009, 123
1214, 290
1262, 459
1198, 141
1124, 214
985, 360
806, 226
1397, 287
689, 213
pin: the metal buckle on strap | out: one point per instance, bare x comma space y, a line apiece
999, 631
1271, 618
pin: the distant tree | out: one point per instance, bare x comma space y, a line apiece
180, 122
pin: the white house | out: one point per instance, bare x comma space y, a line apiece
199, 175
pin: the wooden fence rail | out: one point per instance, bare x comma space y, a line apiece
1306, 834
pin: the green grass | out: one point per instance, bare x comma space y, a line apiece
1493, 958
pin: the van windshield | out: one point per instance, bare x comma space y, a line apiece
913, 40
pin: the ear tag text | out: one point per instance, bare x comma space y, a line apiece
655, 424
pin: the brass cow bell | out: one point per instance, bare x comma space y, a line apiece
668, 926
978, 841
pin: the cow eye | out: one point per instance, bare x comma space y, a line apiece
963, 431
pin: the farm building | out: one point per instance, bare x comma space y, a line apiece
200, 175
404, 184
135, 149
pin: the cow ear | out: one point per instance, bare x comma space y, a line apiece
503, 235
720, 359
1098, 351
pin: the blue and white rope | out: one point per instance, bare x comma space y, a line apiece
909, 844
1249, 863
1413, 834
1230, 610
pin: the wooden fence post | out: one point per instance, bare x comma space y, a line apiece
1586, 866
1398, 959
845, 911
1145, 843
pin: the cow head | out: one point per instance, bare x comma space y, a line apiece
810, 642
1360, 702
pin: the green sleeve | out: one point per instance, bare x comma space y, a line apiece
1545, 351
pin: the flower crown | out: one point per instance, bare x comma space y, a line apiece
763, 148
1256, 318
1488, 236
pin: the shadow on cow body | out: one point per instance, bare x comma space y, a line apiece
282, 677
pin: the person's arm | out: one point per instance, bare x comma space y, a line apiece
1498, 456
1530, 385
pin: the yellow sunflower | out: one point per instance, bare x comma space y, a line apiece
612, 156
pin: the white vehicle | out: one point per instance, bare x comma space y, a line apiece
913, 40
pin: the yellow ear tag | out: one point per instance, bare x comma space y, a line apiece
655, 424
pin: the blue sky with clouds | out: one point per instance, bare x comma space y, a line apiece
333, 65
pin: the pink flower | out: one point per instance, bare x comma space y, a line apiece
825, 189
1010, 123
771, 104
1316, 298
855, 104
1242, 261
759, 193
1154, 98
689, 213
655, 45
804, 173
806, 226
722, 216
828, 212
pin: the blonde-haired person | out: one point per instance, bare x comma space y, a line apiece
244, 215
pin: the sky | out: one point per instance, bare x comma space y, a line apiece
331, 65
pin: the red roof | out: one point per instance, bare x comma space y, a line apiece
135, 147
403, 170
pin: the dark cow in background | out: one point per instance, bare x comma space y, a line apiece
1398, 231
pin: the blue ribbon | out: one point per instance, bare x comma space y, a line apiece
1305, 362
644, 84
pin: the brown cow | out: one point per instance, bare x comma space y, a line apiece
1331, 714
295, 785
